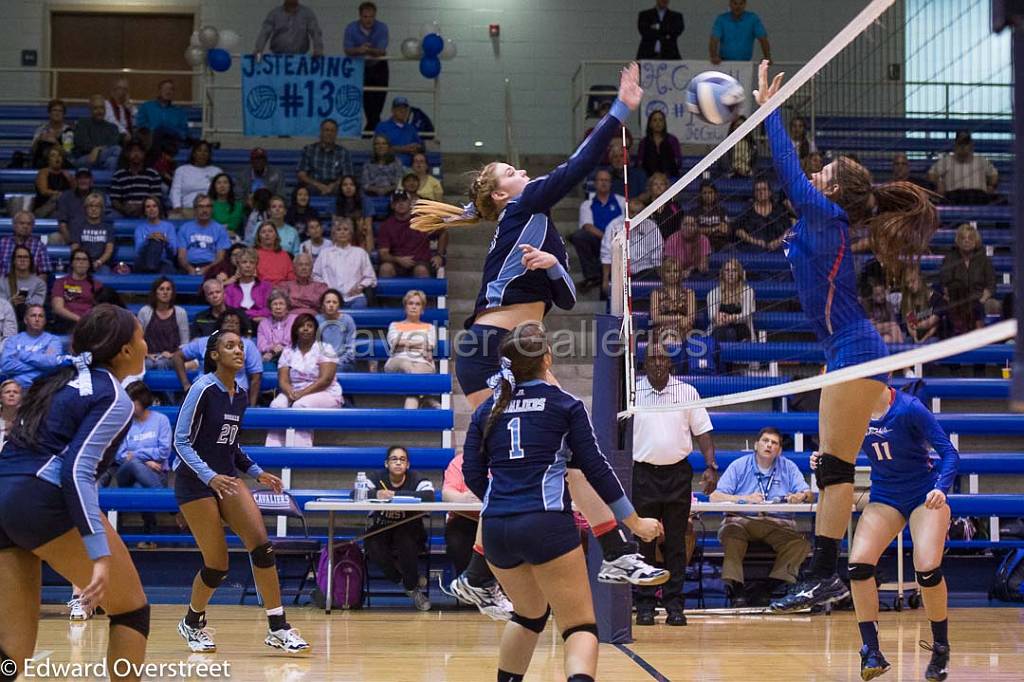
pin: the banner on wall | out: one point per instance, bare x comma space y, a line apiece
664, 84
290, 94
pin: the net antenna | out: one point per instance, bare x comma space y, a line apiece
622, 285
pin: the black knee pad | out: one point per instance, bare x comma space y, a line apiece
586, 627
579, 677
6, 669
263, 556
532, 624
929, 578
862, 571
137, 620
212, 577
832, 471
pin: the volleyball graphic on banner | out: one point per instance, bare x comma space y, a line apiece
348, 101
261, 102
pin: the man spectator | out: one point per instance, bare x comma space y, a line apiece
161, 118
733, 34
71, 206
259, 175
208, 321
689, 247
636, 176
303, 292
368, 38
344, 267
33, 352
323, 163
646, 247
663, 476
119, 108
404, 138
93, 235
460, 527
290, 28
97, 141
405, 252
596, 212
901, 171
22, 225
132, 184
963, 177
201, 242
761, 478
660, 29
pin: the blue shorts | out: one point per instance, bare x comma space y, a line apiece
904, 498
855, 344
477, 351
188, 487
32, 512
531, 538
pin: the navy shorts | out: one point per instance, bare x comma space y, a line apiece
855, 344
903, 498
532, 538
32, 512
188, 488
477, 351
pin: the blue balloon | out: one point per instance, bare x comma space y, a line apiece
432, 45
430, 67
218, 59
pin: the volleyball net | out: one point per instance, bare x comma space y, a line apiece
915, 90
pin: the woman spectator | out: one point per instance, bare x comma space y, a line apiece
919, 305
275, 263
882, 313
227, 269
430, 187
51, 181
411, 343
248, 292
659, 150
969, 280
75, 295
228, 210
690, 248
22, 287
56, 133
383, 173
276, 210
316, 242
162, 160
156, 240
731, 305
765, 223
338, 330
800, 136
299, 210
350, 205
164, 324
303, 292
812, 163
411, 185
94, 235
192, 179
259, 214
673, 306
144, 456
275, 332
669, 217
712, 220
10, 400
743, 155
306, 377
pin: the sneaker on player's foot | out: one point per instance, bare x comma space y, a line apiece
491, 600
938, 667
419, 600
632, 569
198, 639
77, 610
287, 640
872, 663
809, 593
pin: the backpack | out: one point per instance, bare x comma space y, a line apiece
1009, 581
349, 576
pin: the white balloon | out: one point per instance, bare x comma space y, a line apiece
229, 40
194, 40
430, 27
450, 50
195, 56
208, 36
412, 48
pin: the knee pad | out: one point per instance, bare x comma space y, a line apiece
832, 471
862, 571
532, 624
585, 627
579, 677
263, 556
8, 672
137, 620
929, 578
212, 577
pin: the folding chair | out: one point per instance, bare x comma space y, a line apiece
283, 504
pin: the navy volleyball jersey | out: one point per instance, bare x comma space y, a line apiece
525, 220
543, 431
76, 441
206, 434
896, 446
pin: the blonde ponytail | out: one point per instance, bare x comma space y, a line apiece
430, 216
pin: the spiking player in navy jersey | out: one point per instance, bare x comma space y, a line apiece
900, 220
527, 435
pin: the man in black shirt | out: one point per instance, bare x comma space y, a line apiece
208, 321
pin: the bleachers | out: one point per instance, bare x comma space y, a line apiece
352, 383
190, 284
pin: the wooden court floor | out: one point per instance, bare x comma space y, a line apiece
400, 646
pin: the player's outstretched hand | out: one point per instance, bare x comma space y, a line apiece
765, 92
935, 500
630, 92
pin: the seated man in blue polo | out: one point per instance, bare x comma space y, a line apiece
202, 241
596, 212
759, 479
403, 136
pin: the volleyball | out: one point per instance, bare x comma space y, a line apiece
714, 97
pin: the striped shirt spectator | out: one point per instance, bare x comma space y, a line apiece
324, 162
23, 222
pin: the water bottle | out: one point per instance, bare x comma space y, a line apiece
361, 488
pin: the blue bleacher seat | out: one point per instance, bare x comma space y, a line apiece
339, 419
369, 383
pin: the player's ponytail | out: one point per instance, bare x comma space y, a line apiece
523, 354
430, 216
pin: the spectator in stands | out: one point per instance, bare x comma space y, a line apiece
368, 38
162, 160
299, 210
193, 179
97, 141
602, 110
51, 181
8, 321
645, 248
383, 172
324, 162
119, 109
10, 401
259, 175
164, 324
963, 177
801, 137
430, 187
249, 376
920, 306
659, 150
71, 206
276, 211
743, 154
690, 248
33, 352
712, 220
673, 305
731, 305
460, 527
812, 163
596, 213
403, 137
228, 210
760, 478
733, 35
396, 550
133, 182
209, 320
765, 223
259, 214
411, 185
156, 241
669, 217
660, 29
882, 313
143, 459
405, 252
55, 133
352, 205
275, 265
338, 329
411, 343
290, 28
227, 270
316, 242
345, 267
21, 286
303, 292
249, 293
274, 333
75, 295
637, 177
201, 242
94, 235
162, 118
22, 224
969, 280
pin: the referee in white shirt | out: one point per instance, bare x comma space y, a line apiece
662, 476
